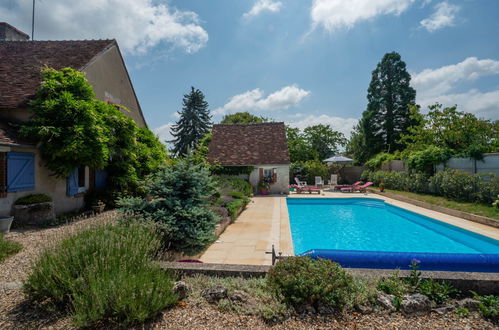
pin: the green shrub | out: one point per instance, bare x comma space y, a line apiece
32, 199
394, 285
303, 280
8, 248
307, 171
437, 292
104, 274
489, 306
235, 206
234, 184
425, 160
378, 160
181, 206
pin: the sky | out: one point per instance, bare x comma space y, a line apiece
304, 62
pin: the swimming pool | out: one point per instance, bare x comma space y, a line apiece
368, 233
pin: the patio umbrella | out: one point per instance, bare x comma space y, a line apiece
338, 159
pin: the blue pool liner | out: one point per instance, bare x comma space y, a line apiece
463, 262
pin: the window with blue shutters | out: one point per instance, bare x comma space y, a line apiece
20, 171
75, 182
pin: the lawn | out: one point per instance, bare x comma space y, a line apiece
474, 208
8, 248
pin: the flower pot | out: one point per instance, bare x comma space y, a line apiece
264, 192
99, 208
5, 223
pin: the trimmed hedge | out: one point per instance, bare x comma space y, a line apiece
33, 199
452, 184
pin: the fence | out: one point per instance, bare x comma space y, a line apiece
351, 174
489, 164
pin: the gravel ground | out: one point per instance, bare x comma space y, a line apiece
34, 240
18, 313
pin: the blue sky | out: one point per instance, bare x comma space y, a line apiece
299, 61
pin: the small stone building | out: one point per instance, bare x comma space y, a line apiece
263, 146
22, 171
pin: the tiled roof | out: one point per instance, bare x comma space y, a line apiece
21, 62
249, 144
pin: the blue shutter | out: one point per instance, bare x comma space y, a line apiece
20, 171
72, 183
100, 179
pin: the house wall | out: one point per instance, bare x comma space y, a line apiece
109, 78
282, 183
45, 183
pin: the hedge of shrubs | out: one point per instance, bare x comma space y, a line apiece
452, 184
233, 196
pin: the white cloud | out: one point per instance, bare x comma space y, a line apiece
484, 105
438, 85
262, 6
432, 82
444, 15
343, 125
164, 132
334, 14
284, 98
138, 25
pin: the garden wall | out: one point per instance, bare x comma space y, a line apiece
351, 174
489, 164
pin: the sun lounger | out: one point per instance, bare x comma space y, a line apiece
339, 187
357, 188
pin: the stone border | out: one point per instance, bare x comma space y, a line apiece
460, 214
481, 283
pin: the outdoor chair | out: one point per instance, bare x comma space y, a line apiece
318, 181
341, 186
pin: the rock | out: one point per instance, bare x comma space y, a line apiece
469, 303
444, 309
386, 301
415, 304
324, 309
364, 309
214, 294
181, 289
239, 296
305, 309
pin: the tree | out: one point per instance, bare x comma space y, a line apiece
356, 147
387, 115
194, 123
461, 133
324, 140
243, 118
299, 149
181, 206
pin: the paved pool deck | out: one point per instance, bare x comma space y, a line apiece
265, 222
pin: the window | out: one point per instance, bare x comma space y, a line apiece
75, 182
270, 175
20, 171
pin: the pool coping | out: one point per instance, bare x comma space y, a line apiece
481, 283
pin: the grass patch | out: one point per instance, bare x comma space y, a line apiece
8, 248
103, 275
474, 208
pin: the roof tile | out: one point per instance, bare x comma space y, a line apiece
249, 144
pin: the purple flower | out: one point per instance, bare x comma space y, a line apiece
416, 261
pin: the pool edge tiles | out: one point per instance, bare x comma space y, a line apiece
478, 262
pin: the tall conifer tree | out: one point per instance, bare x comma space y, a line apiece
387, 116
194, 123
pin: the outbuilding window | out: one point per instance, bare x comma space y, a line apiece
75, 182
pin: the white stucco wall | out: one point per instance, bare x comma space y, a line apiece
281, 186
45, 183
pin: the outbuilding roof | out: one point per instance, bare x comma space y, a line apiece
249, 144
22, 61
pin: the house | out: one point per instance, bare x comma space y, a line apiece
21, 167
263, 146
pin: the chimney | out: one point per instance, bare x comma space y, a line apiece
10, 33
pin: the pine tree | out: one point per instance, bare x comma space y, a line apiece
387, 116
194, 123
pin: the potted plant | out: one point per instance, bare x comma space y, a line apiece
36, 209
99, 206
382, 187
263, 188
5, 223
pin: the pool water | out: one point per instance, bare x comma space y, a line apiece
367, 224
